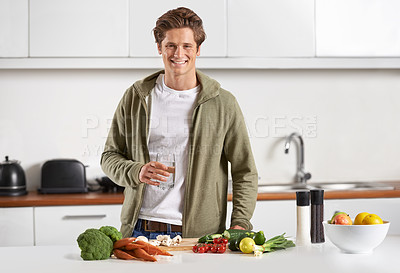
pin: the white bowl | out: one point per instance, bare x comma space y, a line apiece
356, 238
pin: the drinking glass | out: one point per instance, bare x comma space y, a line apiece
169, 161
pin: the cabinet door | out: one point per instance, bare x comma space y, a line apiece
13, 28
358, 28
144, 15
272, 217
61, 225
16, 227
271, 28
73, 28
275, 217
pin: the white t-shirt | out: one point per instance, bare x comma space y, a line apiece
170, 122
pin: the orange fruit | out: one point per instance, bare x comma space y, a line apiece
360, 217
372, 219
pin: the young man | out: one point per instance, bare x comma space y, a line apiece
180, 111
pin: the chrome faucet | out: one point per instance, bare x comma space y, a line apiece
301, 175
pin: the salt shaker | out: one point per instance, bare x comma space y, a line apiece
303, 218
317, 216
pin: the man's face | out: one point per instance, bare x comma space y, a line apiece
179, 51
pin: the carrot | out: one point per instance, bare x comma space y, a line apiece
153, 250
120, 254
133, 246
132, 253
142, 254
123, 242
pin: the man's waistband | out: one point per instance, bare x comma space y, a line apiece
153, 226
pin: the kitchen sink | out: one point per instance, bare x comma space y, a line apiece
331, 186
354, 186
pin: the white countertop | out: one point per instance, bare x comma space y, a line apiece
324, 258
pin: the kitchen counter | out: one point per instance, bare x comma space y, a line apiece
33, 199
324, 258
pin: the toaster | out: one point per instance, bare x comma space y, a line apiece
63, 176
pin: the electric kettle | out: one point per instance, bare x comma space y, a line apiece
12, 178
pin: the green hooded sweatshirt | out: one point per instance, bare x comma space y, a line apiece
218, 135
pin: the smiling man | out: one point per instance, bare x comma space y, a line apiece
182, 112
179, 51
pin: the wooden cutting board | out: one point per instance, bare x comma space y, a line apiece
186, 244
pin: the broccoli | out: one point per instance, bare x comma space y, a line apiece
95, 245
111, 232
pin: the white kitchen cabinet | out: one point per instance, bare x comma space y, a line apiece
144, 15
13, 28
61, 225
273, 217
357, 28
271, 28
74, 28
16, 227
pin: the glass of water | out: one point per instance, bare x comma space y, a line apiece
169, 161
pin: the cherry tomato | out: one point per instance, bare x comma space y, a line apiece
201, 249
214, 248
217, 240
221, 249
224, 241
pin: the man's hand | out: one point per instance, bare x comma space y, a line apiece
153, 170
237, 227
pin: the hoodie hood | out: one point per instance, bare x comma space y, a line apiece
209, 87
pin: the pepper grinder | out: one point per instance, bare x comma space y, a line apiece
317, 216
303, 218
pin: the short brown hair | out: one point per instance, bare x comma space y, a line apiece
179, 18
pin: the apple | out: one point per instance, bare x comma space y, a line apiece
342, 219
336, 213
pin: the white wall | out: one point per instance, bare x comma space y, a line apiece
349, 118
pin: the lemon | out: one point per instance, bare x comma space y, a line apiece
372, 219
246, 245
360, 217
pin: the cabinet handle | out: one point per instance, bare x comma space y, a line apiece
91, 216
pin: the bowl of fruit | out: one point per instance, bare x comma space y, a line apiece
362, 235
